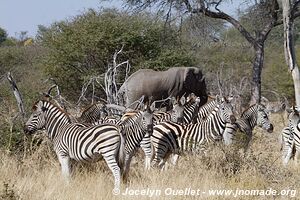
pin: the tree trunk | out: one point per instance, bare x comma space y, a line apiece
257, 69
296, 79
289, 50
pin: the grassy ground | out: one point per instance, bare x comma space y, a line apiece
38, 176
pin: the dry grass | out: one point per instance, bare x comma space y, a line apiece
38, 175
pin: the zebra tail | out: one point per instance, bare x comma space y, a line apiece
121, 153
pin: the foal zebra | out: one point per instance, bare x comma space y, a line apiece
169, 137
135, 127
255, 115
293, 141
76, 141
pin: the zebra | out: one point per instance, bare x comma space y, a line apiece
190, 111
284, 136
131, 125
77, 141
293, 141
93, 113
183, 112
170, 137
207, 108
256, 114
135, 127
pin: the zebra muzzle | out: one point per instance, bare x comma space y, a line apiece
150, 128
270, 130
27, 130
232, 119
180, 120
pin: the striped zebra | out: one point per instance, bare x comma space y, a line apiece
135, 127
255, 115
190, 111
176, 114
207, 108
284, 136
170, 137
180, 113
93, 113
77, 141
293, 141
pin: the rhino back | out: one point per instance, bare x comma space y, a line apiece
159, 84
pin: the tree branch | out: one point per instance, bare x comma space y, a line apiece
220, 15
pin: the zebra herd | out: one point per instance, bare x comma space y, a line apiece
186, 128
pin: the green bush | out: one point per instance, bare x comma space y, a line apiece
84, 45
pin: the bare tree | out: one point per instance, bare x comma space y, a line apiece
268, 8
17, 94
110, 79
289, 7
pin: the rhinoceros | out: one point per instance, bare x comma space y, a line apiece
174, 82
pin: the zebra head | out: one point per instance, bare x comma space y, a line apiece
147, 119
263, 119
178, 108
226, 110
37, 120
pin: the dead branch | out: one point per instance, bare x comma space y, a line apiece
111, 88
17, 94
91, 81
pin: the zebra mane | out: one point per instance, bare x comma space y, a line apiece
128, 115
247, 109
54, 105
136, 115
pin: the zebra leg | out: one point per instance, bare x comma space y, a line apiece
248, 141
128, 158
174, 159
115, 169
287, 153
288, 149
297, 154
146, 146
65, 167
163, 165
229, 133
159, 157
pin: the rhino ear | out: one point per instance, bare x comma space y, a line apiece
173, 100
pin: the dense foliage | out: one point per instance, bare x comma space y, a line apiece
84, 45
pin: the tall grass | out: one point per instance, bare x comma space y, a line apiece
37, 176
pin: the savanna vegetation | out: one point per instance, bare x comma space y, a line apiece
72, 51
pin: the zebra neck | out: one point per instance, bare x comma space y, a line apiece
214, 124
134, 132
206, 109
55, 118
193, 109
250, 116
217, 125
